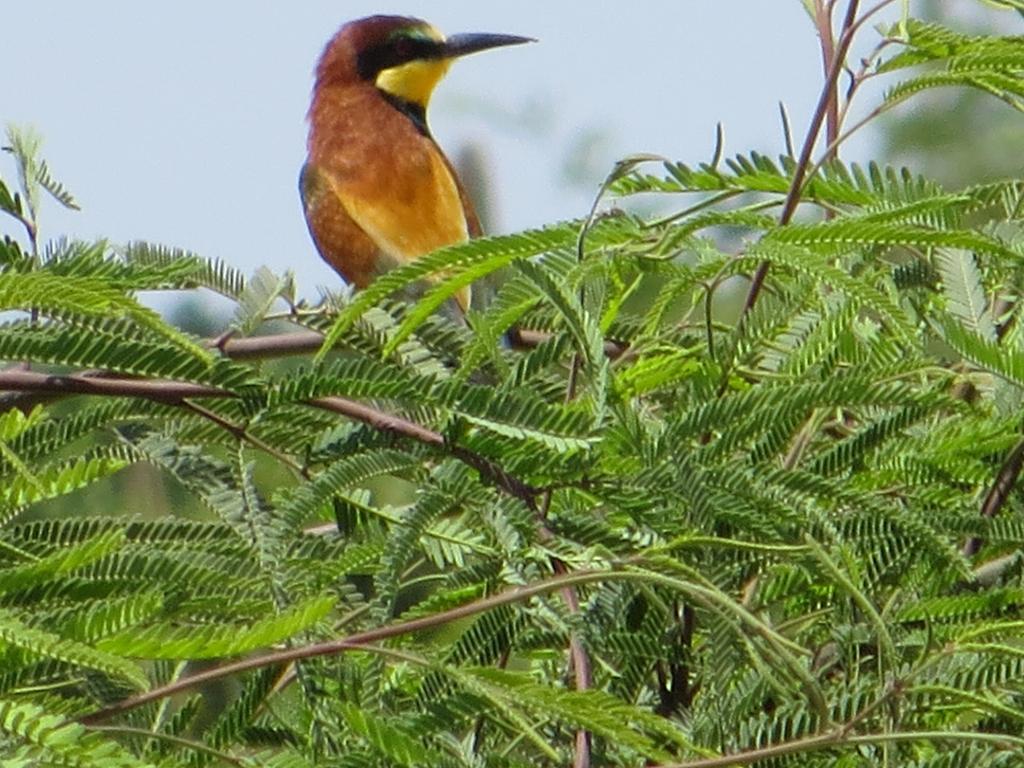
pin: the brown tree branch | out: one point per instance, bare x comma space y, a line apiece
56, 386
998, 493
386, 422
380, 420
44, 387
95, 382
38, 388
309, 342
261, 347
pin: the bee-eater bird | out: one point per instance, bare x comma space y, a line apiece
376, 189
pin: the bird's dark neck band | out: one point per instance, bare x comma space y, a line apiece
417, 113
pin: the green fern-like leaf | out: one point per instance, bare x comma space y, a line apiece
209, 642
38, 643
497, 251
50, 739
95, 299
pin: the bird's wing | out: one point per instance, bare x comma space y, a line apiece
411, 214
469, 210
340, 240
408, 206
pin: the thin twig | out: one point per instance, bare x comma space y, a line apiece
241, 433
380, 420
845, 135
823, 21
787, 131
178, 741
879, 6
580, 660
580, 663
813, 131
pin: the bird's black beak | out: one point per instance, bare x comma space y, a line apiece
462, 45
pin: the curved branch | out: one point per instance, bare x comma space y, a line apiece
839, 738
359, 640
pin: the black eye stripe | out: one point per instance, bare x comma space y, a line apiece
398, 50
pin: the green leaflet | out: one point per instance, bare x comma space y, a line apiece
1004, 362
61, 562
213, 641
52, 481
259, 296
110, 346
631, 727
51, 739
496, 251
122, 269
40, 644
208, 273
965, 293
91, 298
398, 745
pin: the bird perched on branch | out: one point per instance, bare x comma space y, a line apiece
377, 190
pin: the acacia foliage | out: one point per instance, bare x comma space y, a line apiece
664, 529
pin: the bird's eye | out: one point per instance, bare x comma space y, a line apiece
403, 47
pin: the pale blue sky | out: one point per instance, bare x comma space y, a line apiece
183, 123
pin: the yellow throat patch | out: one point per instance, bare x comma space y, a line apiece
415, 81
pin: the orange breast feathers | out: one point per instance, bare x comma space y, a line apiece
376, 199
